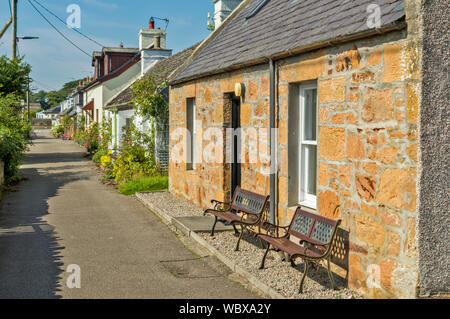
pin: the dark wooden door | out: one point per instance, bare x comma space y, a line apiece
236, 147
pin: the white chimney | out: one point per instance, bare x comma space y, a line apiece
152, 44
222, 9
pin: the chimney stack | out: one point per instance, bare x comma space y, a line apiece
147, 38
157, 42
152, 44
222, 9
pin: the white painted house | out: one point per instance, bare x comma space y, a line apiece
115, 69
152, 48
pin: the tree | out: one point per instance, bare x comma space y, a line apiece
54, 98
41, 98
14, 76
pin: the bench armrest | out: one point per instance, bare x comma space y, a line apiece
272, 227
218, 205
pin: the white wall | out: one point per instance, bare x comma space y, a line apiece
117, 84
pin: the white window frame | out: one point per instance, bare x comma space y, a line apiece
305, 199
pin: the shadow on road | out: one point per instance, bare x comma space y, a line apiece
30, 255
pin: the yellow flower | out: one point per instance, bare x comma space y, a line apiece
105, 160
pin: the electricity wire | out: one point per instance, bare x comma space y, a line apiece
74, 29
56, 29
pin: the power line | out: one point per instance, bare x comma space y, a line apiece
79, 32
10, 8
56, 29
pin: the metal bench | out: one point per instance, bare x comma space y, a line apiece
316, 236
249, 205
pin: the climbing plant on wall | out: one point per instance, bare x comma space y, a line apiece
149, 99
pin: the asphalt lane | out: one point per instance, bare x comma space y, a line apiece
61, 218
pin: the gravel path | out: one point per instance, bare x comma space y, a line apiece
277, 273
172, 205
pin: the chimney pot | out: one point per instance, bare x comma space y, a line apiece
121, 44
151, 24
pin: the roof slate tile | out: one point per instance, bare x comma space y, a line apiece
283, 25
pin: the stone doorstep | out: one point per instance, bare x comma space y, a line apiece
182, 223
202, 224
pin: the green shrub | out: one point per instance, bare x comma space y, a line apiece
135, 158
98, 156
15, 136
57, 131
133, 161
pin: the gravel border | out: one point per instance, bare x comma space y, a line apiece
279, 279
170, 204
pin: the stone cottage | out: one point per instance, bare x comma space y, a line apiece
331, 91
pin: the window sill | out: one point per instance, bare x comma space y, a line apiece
308, 204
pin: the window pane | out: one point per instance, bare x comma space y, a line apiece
309, 115
311, 161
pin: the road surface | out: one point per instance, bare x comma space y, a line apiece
61, 215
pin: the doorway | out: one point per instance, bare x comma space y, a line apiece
236, 143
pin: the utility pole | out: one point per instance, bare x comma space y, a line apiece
14, 29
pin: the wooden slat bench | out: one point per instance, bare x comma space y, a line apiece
250, 205
316, 237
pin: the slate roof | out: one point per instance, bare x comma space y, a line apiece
282, 26
165, 69
56, 109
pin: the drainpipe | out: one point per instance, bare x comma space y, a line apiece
273, 153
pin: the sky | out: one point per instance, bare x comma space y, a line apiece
55, 61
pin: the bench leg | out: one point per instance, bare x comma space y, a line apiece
214, 226
236, 232
239, 240
292, 262
304, 276
264, 258
330, 274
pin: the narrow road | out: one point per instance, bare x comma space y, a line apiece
61, 215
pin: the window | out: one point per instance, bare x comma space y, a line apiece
191, 127
307, 146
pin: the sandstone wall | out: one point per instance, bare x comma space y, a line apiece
368, 112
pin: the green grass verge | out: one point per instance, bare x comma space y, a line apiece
144, 184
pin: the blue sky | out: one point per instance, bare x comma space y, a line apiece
110, 22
